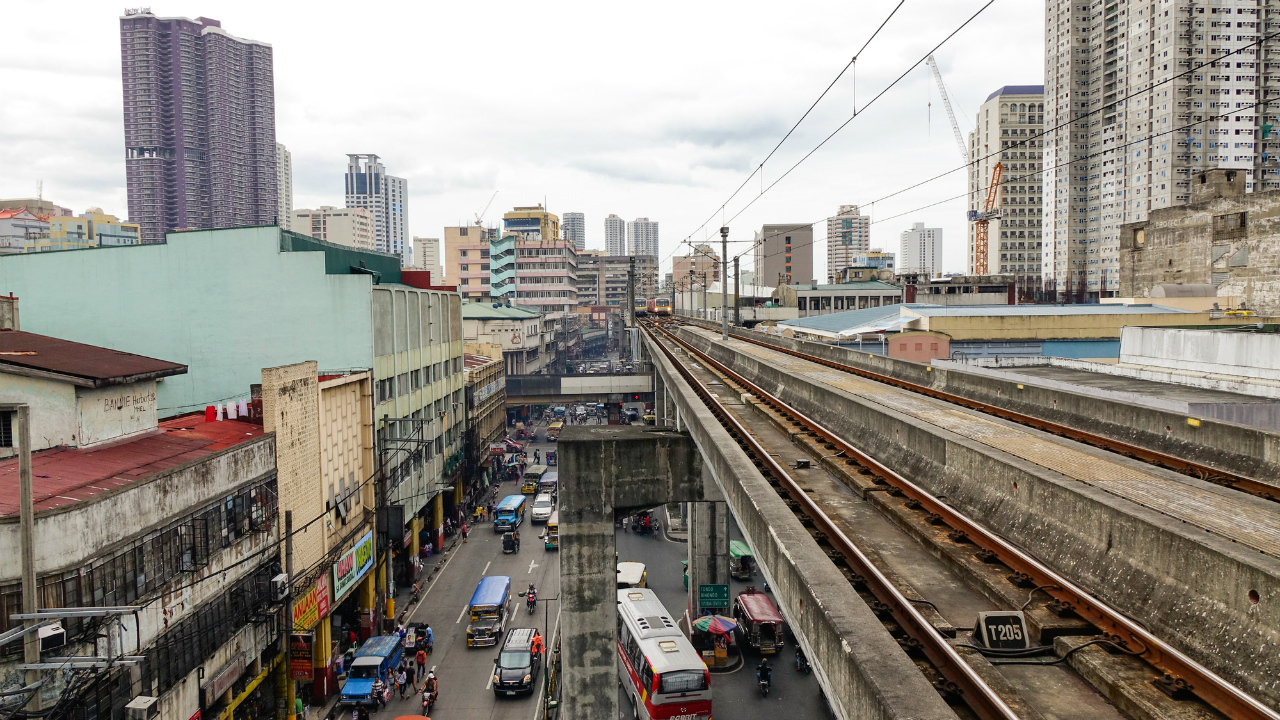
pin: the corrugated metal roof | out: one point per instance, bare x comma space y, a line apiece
64, 476
841, 321
487, 311
1041, 310
94, 366
474, 361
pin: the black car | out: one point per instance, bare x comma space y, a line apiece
517, 667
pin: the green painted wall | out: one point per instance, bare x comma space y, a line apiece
226, 303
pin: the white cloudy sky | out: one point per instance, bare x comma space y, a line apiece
656, 109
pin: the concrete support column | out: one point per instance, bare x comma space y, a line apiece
708, 549
607, 471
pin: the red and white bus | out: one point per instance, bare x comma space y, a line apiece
664, 676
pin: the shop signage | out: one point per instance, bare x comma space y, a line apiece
498, 449
300, 662
483, 393
353, 565
308, 609
223, 679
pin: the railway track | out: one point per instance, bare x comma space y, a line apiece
1181, 675
1190, 468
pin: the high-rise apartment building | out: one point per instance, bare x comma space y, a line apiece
541, 274
848, 236
702, 262
920, 251
1130, 130
199, 125
352, 227
642, 237
466, 259
284, 186
1007, 131
575, 229
385, 197
615, 235
532, 222
426, 256
783, 254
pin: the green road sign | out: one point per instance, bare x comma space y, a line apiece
713, 596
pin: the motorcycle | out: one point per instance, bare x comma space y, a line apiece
802, 662
531, 602
428, 701
765, 685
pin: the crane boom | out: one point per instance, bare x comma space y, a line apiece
983, 219
946, 102
480, 215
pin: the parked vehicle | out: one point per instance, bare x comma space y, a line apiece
543, 506
375, 660
510, 513
488, 610
517, 668
759, 622
742, 564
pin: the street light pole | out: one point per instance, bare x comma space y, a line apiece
724, 284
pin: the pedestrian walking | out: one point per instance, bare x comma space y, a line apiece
412, 676
402, 681
464, 531
421, 660
379, 693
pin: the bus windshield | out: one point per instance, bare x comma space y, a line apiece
682, 681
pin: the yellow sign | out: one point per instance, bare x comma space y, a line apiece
308, 609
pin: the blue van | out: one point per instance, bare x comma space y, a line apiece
510, 513
488, 610
378, 658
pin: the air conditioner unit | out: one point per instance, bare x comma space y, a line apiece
142, 707
280, 587
52, 636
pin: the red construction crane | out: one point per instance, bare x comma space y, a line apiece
982, 219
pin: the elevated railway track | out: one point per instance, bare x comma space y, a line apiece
1177, 674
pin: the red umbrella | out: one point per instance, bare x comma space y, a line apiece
715, 624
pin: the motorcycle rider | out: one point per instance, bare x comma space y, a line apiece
430, 688
531, 596
764, 673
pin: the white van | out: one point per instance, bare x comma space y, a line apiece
543, 506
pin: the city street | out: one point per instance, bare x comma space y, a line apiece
465, 673
736, 695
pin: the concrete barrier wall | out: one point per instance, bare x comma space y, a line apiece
1238, 449
1190, 587
862, 669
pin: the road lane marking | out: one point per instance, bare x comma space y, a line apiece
486, 567
495, 672
462, 614
532, 564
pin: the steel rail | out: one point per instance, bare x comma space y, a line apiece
946, 659
1182, 672
1194, 469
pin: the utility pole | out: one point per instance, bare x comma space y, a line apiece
724, 283
27, 533
290, 685
631, 292
705, 314
737, 299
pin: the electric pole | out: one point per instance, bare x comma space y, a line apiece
724, 283
27, 533
631, 291
737, 299
290, 685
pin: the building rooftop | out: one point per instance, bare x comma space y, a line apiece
841, 321
470, 361
495, 311
24, 353
1018, 90
930, 310
856, 285
64, 476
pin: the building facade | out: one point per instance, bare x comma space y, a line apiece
426, 256
575, 230
1008, 135
590, 277
20, 228
284, 186
386, 197
783, 254
541, 274
466, 260
876, 259
920, 250
816, 299
1223, 239
353, 227
1111, 163
486, 409
642, 237
92, 229
615, 235
37, 206
848, 235
520, 333
199, 125
703, 263
531, 223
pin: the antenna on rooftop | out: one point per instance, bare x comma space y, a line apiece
40, 189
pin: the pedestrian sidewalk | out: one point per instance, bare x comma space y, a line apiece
677, 528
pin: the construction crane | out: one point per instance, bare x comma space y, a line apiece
480, 215
981, 220
946, 102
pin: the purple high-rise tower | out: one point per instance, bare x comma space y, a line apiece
199, 125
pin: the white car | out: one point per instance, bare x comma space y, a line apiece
543, 506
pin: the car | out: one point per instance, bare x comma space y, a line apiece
543, 506
517, 666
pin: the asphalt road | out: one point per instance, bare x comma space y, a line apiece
465, 673
735, 693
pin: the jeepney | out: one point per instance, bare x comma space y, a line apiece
742, 564
759, 622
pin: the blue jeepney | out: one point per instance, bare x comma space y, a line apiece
377, 658
510, 513
488, 610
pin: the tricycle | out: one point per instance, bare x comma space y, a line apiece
551, 457
510, 543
